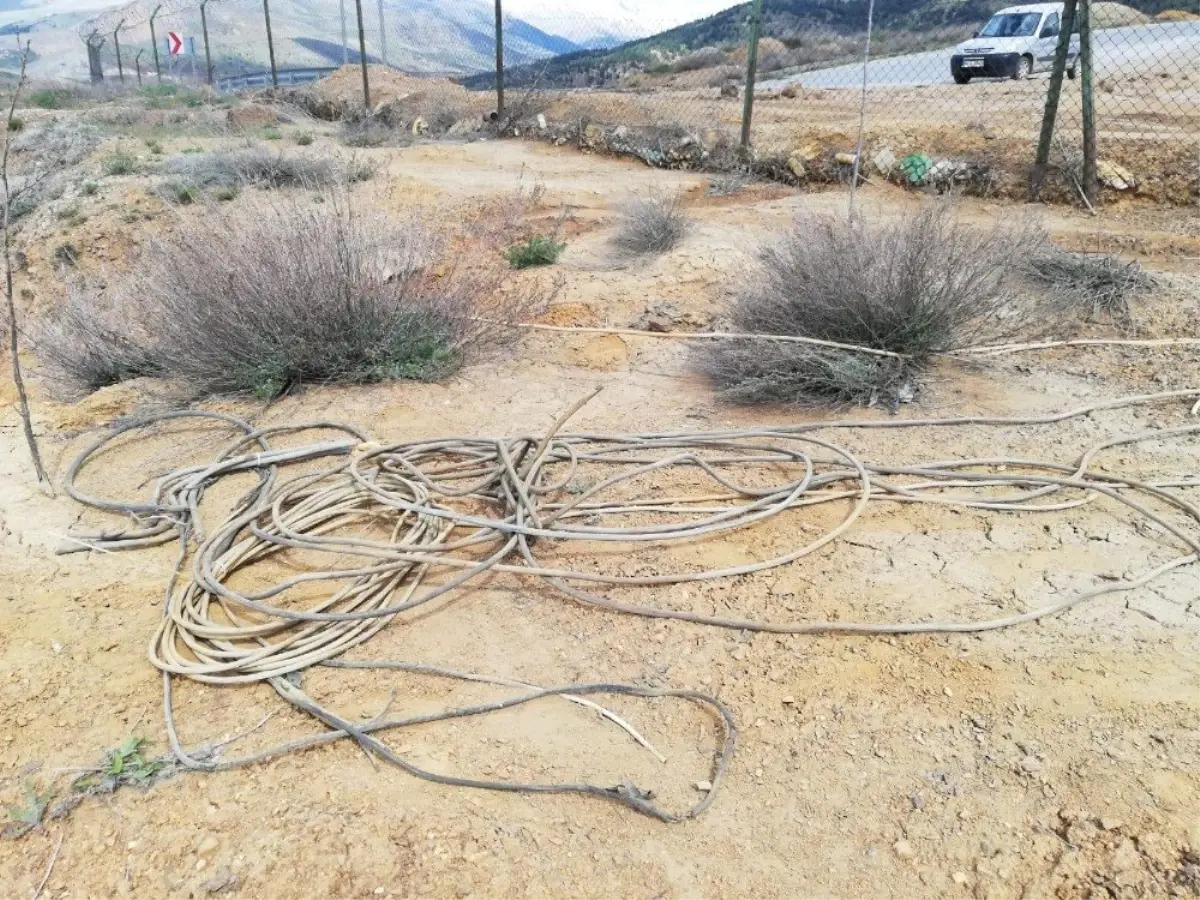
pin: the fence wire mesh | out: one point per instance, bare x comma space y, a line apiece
939, 102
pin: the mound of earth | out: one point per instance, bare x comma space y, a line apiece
387, 85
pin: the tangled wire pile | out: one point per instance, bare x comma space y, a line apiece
401, 525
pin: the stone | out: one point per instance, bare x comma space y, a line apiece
1108, 823
704, 786
795, 164
729, 91
960, 878
541, 120
845, 159
789, 91
207, 845
903, 849
593, 134
252, 115
884, 160
463, 127
1114, 176
420, 126
1030, 765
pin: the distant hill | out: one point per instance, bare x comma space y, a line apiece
790, 21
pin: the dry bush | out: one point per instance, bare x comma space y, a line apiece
702, 58
915, 287
251, 166
1097, 285
649, 226
89, 344
286, 291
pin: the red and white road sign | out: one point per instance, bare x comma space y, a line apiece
174, 43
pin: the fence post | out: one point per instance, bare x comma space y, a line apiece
154, 44
270, 43
382, 35
499, 60
117, 46
208, 67
342, 16
1090, 186
1061, 52
137, 66
95, 67
751, 68
362, 55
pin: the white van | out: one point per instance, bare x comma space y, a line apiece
1015, 43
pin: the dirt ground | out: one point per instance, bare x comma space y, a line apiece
1056, 759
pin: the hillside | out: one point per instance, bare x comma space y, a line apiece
905, 25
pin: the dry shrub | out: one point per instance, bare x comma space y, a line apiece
703, 58
915, 287
89, 344
251, 166
1097, 285
648, 226
286, 291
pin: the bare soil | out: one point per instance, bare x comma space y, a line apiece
1058, 759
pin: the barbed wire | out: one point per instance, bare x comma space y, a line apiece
133, 15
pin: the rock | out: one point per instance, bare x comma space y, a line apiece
960, 878
1030, 765
789, 91
711, 139
884, 160
541, 120
795, 164
704, 786
903, 849
605, 351
1114, 176
463, 127
944, 170
1108, 823
729, 91
207, 845
252, 115
420, 126
789, 700
593, 134
845, 159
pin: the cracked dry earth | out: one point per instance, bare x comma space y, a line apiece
1058, 759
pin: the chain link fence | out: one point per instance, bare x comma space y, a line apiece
913, 98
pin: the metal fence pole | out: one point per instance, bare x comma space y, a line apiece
751, 69
362, 55
382, 35
208, 67
270, 43
499, 59
137, 66
1090, 186
154, 44
1061, 52
342, 16
117, 46
862, 108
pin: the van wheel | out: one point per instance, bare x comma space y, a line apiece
961, 78
1024, 68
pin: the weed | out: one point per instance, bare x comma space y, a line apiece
68, 212
49, 98
66, 255
272, 134
118, 162
89, 344
251, 165
123, 766
915, 287
154, 146
26, 816
88, 188
179, 192
651, 225
304, 139
1096, 282
538, 250
225, 193
15, 124
366, 133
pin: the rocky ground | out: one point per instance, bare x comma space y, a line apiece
1056, 759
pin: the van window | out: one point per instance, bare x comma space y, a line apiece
1011, 25
1051, 27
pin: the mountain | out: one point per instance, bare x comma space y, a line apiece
791, 21
448, 37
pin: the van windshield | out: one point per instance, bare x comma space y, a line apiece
1011, 25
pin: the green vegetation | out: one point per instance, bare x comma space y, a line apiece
538, 250
304, 139
15, 124
123, 766
118, 162
272, 134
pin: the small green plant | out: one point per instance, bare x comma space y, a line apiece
154, 146
68, 212
539, 250
49, 98
180, 192
358, 170
190, 150
304, 139
272, 134
66, 255
88, 188
15, 124
119, 162
126, 765
27, 816
225, 193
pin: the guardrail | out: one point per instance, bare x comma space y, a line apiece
231, 83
